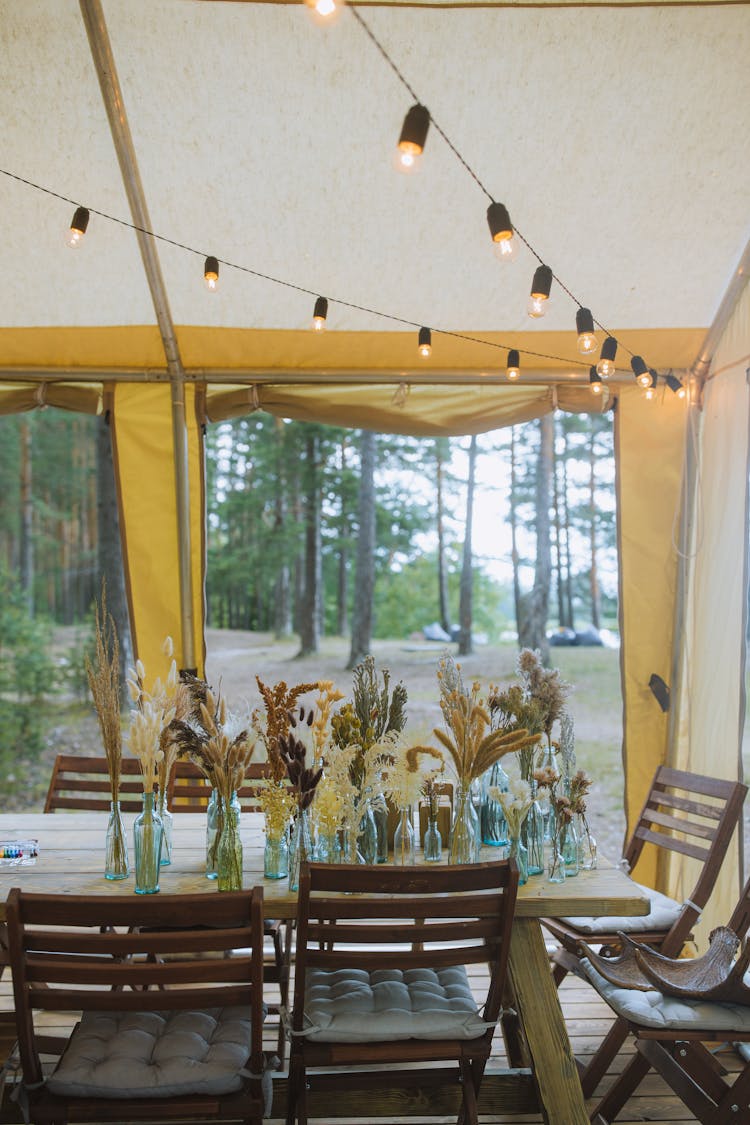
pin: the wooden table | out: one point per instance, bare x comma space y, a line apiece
72, 857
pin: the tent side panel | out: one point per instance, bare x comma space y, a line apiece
145, 474
649, 440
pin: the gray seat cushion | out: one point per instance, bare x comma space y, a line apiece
154, 1054
655, 1009
663, 913
355, 1006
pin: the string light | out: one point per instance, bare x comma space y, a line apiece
319, 315
650, 392
585, 330
211, 274
513, 369
595, 380
425, 342
501, 229
412, 139
324, 10
675, 385
606, 365
74, 237
540, 290
641, 372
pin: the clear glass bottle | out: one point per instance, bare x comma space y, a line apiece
569, 849
229, 851
214, 825
328, 848
464, 842
432, 845
147, 836
380, 813
167, 823
532, 835
301, 847
492, 817
116, 847
404, 842
276, 857
517, 849
367, 840
586, 845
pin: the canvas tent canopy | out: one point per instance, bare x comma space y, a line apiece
614, 135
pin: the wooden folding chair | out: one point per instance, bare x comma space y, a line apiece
189, 793
685, 813
380, 977
82, 784
671, 1033
164, 1032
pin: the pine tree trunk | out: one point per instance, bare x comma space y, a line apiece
282, 597
466, 589
364, 581
310, 608
109, 547
442, 574
26, 559
559, 581
535, 604
568, 561
342, 594
594, 573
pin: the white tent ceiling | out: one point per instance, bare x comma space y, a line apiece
616, 136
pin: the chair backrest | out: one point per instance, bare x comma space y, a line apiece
82, 783
189, 790
374, 917
695, 816
68, 953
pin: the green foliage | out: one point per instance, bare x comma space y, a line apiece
27, 675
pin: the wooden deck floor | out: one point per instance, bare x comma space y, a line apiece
587, 1018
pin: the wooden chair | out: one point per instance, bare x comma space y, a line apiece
678, 1052
189, 792
82, 783
380, 978
190, 1026
685, 813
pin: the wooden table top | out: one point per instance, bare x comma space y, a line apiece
71, 860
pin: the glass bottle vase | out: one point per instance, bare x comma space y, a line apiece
532, 836
432, 845
368, 835
328, 848
166, 821
214, 826
300, 849
229, 852
492, 817
463, 844
586, 845
147, 836
404, 844
569, 849
380, 813
276, 857
116, 848
517, 850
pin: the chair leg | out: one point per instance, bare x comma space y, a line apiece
619, 1092
295, 1109
598, 1064
469, 1114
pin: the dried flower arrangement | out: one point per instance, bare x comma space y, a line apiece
103, 674
155, 709
535, 704
280, 704
515, 801
568, 805
220, 744
404, 778
303, 779
471, 743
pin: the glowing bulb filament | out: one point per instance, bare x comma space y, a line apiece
605, 368
537, 306
587, 343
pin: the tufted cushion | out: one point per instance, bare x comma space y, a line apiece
355, 1006
664, 911
655, 1009
154, 1054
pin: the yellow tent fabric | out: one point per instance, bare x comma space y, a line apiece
145, 475
649, 439
708, 738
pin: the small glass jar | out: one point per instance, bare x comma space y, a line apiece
214, 825
569, 849
432, 845
464, 839
276, 857
367, 839
229, 852
404, 842
492, 817
301, 847
517, 849
532, 835
167, 824
328, 848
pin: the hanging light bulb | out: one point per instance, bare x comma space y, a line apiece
425, 342
501, 229
606, 365
585, 330
319, 315
412, 140
513, 369
74, 236
595, 380
540, 290
211, 274
650, 393
675, 385
641, 372
324, 10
